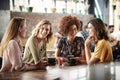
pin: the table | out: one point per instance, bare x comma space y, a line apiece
79, 72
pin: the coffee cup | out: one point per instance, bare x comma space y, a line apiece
72, 61
51, 61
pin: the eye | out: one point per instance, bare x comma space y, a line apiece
42, 28
47, 30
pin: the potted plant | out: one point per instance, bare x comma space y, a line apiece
30, 9
21, 7
53, 10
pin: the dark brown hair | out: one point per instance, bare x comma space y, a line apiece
99, 26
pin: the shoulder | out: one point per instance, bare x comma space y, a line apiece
78, 38
12, 42
63, 38
31, 39
102, 41
79, 34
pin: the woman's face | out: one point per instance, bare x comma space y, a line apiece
22, 32
91, 30
72, 30
44, 31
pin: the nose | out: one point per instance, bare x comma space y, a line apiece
74, 31
44, 30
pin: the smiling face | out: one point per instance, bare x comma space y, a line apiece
44, 31
91, 30
72, 31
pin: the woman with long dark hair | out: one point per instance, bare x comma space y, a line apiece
98, 34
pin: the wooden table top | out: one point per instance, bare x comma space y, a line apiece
80, 72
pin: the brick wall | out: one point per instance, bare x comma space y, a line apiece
34, 18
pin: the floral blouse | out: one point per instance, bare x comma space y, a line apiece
74, 48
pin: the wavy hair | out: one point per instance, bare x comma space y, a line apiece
100, 28
37, 28
11, 32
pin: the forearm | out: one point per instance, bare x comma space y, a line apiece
87, 53
30, 67
57, 53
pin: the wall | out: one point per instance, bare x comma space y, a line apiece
4, 16
34, 18
4, 19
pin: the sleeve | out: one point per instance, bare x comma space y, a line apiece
33, 49
80, 42
60, 43
98, 48
14, 56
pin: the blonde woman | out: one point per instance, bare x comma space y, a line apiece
35, 48
11, 49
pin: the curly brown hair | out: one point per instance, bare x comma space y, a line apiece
66, 22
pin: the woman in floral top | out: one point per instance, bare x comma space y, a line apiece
70, 44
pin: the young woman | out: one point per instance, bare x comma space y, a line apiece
70, 44
11, 49
98, 34
35, 48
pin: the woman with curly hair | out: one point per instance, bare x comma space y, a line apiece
35, 48
70, 44
98, 35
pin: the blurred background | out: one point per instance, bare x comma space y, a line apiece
53, 10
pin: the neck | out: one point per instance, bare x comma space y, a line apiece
70, 38
17, 39
39, 39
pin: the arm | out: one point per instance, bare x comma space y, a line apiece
57, 53
16, 60
33, 49
81, 58
89, 59
87, 53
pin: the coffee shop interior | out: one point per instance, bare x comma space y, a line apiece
53, 10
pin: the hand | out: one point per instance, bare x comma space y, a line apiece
89, 40
43, 59
42, 65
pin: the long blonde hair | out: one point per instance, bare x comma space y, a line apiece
11, 32
37, 28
